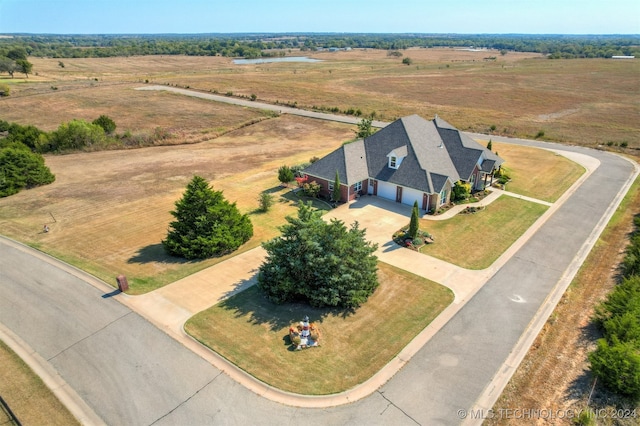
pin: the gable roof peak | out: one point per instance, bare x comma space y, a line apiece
440, 123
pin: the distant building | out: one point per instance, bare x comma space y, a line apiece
622, 57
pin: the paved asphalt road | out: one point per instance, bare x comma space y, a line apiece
129, 372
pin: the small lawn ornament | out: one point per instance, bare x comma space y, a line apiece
304, 335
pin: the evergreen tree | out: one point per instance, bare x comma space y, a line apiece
106, 123
414, 224
21, 169
206, 224
335, 196
365, 128
617, 366
323, 263
489, 145
285, 174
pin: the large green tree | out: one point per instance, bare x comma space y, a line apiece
8, 65
21, 169
326, 264
24, 66
206, 224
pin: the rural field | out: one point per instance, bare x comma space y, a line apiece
109, 211
588, 102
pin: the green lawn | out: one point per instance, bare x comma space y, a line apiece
475, 241
538, 173
252, 333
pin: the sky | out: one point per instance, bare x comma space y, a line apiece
336, 16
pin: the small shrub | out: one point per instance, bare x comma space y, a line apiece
106, 123
266, 201
229, 93
460, 191
540, 134
253, 97
493, 128
285, 174
5, 90
585, 418
624, 144
407, 61
297, 169
418, 241
311, 189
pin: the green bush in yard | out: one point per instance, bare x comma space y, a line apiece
325, 264
206, 224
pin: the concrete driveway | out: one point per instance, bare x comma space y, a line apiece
128, 372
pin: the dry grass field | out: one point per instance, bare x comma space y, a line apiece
581, 101
22, 390
108, 211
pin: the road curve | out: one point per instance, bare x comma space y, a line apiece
129, 372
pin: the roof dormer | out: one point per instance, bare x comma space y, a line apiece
396, 156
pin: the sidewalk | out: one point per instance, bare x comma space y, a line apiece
171, 306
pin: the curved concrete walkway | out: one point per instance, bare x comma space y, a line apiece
171, 306
129, 372
482, 335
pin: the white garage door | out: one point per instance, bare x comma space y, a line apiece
410, 195
387, 190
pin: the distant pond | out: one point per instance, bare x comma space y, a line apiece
267, 60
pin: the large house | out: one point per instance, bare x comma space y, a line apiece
411, 159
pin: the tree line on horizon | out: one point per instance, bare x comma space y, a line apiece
264, 45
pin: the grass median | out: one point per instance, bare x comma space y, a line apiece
252, 333
475, 241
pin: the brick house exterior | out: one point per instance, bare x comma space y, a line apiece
411, 159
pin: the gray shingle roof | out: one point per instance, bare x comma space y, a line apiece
433, 152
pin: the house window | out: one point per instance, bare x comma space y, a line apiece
393, 162
330, 186
443, 196
357, 187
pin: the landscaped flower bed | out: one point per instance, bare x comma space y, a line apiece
402, 238
472, 209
